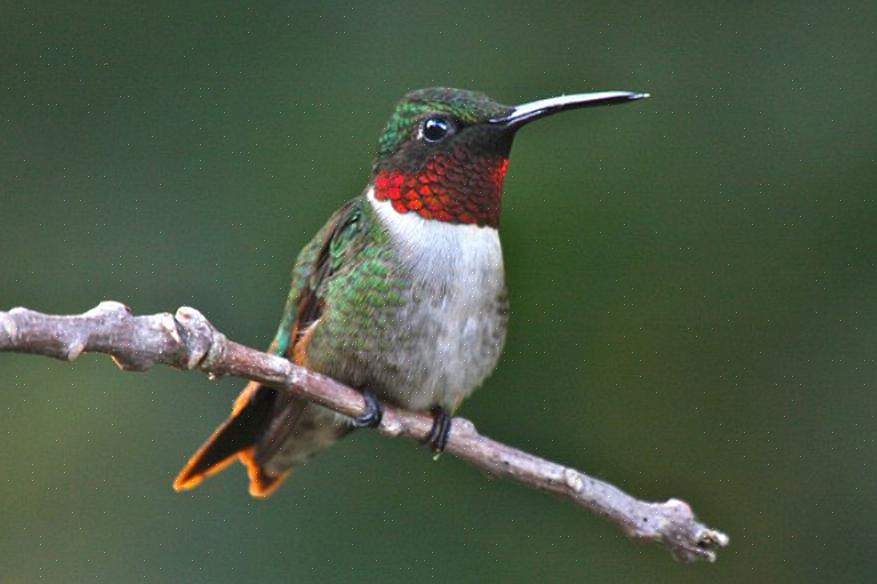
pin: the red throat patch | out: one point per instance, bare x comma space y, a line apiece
452, 187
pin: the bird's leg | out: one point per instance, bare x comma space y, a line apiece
371, 417
441, 429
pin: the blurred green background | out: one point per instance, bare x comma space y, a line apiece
692, 279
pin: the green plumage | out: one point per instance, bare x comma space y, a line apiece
348, 271
340, 308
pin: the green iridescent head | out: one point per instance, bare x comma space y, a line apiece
407, 133
463, 106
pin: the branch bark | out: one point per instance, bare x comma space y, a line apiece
187, 340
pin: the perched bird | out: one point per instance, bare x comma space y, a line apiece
402, 293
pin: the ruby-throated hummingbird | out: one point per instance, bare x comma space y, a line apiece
402, 293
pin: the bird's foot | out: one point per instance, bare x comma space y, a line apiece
440, 431
371, 417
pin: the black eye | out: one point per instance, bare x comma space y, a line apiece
435, 129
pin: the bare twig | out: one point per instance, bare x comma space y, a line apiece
187, 340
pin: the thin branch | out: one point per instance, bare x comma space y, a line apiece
187, 340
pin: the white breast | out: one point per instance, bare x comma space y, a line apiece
459, 269
462, 255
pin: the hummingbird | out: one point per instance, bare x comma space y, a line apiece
401, 294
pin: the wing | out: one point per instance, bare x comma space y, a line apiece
262, 418
314, 268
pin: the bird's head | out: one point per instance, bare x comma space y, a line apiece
444, 152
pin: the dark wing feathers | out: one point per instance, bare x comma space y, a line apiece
263, 417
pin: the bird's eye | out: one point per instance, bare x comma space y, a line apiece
435, 129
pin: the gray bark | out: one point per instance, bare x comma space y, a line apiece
187, 340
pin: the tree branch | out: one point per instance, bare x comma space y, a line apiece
187, 340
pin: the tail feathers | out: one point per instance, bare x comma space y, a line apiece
236, 438
261, 485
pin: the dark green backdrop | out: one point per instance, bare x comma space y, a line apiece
692, 278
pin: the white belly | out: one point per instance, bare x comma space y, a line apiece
458, 309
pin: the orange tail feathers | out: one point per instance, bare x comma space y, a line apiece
235, 439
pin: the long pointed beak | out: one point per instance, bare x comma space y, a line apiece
528, 112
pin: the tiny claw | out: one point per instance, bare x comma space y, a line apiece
371, 417
440, 431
